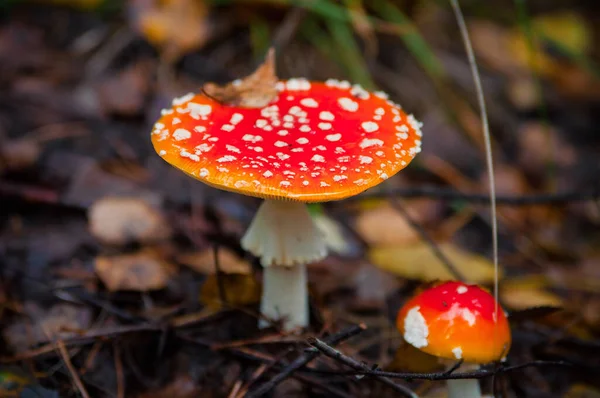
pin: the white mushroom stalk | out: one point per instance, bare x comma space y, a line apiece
285, 238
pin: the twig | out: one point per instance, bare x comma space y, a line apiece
478, 374
434, 192
74, 375
303, 360
354, 364
119, 371
425, 236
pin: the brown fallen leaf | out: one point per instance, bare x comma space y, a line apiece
240, 290
124, 93
383, 225
528, 292
121, 220
417, 261
61, 321
177, 26
141, 271
204, 262
254, 91
582, 391
19, 153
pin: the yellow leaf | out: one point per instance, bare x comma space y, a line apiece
417, 261
410, 359
204, 262
383, 225
582, 391
528, 292
568, 30
240, 290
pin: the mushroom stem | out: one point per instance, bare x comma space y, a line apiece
464, 388
285, 238
285, 296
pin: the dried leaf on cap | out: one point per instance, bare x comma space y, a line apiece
121, 220
254, 91
141, 271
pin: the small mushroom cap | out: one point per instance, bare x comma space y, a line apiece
315, 142
456, 321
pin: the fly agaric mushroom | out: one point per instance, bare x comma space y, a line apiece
456, 321
309, 142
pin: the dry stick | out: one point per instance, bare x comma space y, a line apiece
460, 19
434, 192
303, 360
65, 356
354, 364
425, 236
119, 371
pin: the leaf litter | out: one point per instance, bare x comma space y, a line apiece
104, 248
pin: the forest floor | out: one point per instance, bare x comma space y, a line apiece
130, 303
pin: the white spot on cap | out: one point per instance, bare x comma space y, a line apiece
261, 123
305, 128
457, 351
200, 129
226, 158
283, 133
280, 144
415, 328
309, 102
185, 154
305, 183
337, 178
181, 134
232, 148
227, 127
176, 120
302, 140
326, 115
323, 184
380, 111
457, 311
199, 110
162, 152
333, 137
203, 173
183, 99
347, 104
369, 142
462, 289
298, 84
268, 174
252, 138
369, 127
241, 184
285, 183
365, 159
317, 158
325, 126
236, 118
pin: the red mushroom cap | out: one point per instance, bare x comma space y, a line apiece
456, 321
315, 142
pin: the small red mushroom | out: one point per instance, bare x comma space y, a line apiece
454, 320
313, 142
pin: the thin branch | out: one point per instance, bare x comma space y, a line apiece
74, 375
303, 360
354, 364
433, 192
